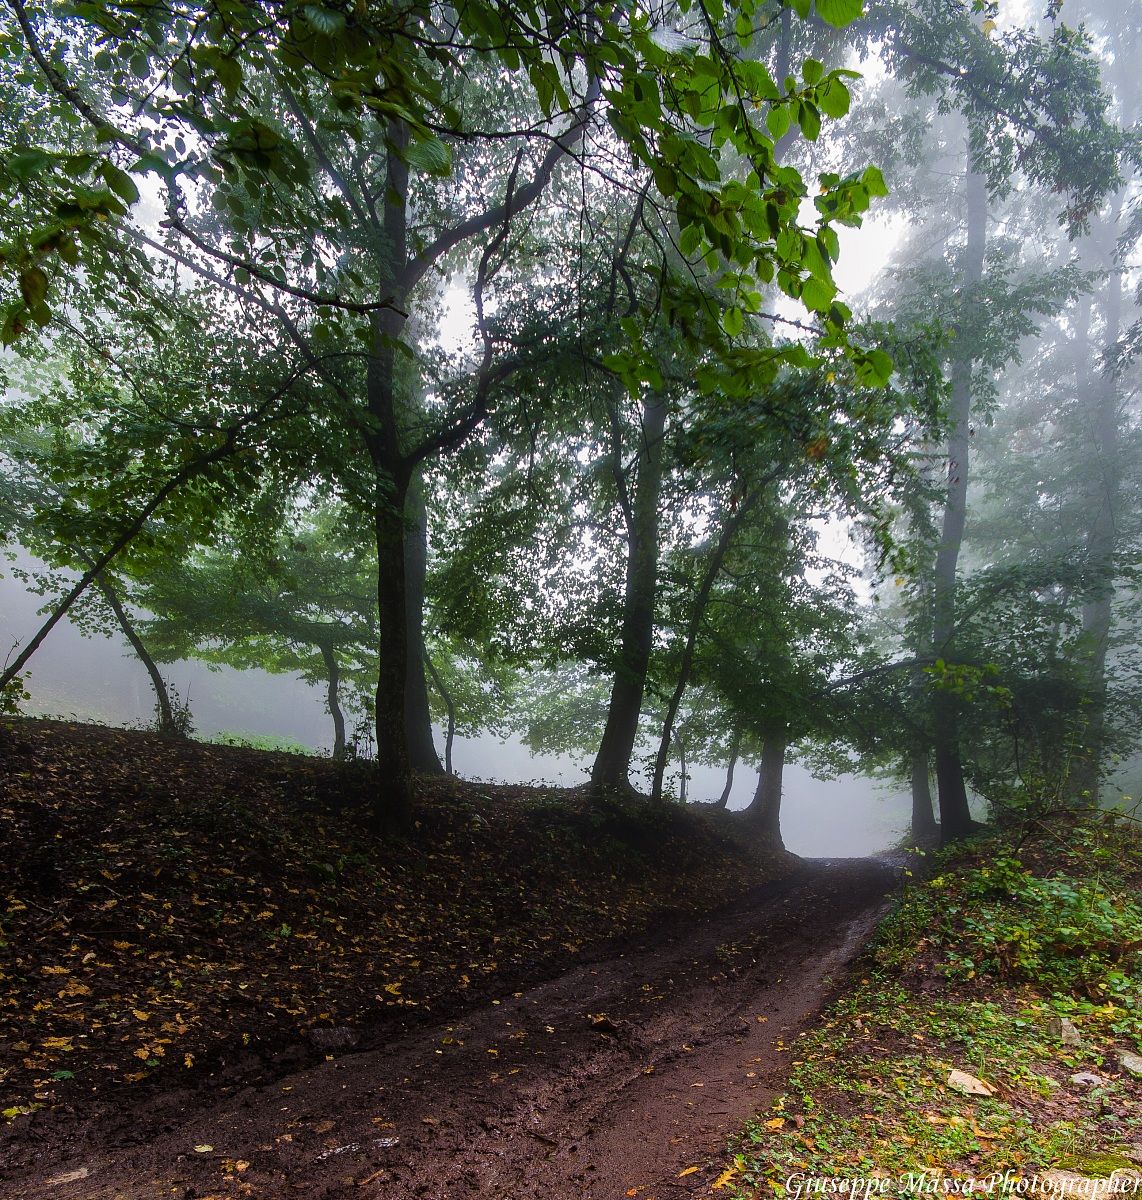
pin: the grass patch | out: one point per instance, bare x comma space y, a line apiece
974, 972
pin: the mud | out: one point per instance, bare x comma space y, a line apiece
618, 1074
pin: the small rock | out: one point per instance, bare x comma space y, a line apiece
1064, 1031
1088, 1079
340, 1037
68, 1177
1130, 1062
348, 1148
968, 1085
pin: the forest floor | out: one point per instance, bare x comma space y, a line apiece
216, 983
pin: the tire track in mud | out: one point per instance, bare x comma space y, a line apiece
636, 1062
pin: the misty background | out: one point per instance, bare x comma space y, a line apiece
95, 678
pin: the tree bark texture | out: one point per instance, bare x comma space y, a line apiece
923, 817
333, 698
612, 763
735, 750
764, 812
955, 818
1104, 502
418, 715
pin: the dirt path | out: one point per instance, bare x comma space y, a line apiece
614, 1076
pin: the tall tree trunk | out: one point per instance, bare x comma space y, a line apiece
167, 724
923, 818
450, 709
1105, 487
612, 763
735, 750
333, 698
764, 812
417, 714
392, 476
955, 817
392, 805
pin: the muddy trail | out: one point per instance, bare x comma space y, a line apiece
634, 1064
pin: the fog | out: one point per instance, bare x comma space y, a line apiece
94, 678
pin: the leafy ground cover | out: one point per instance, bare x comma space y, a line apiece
174, 910
994, 966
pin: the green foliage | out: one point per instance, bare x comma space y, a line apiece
181, 723
1077, 935
868, 1090
1065, 934
14, 697
263, 741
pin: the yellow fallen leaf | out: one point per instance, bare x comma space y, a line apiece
139, 1015
688, 1171
57, 1043
203, 1149
724, 1178
775, 1123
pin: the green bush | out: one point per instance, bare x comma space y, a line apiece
1069, 935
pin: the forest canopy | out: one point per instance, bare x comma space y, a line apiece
598, 511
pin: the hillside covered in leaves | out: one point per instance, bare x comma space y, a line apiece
175, 911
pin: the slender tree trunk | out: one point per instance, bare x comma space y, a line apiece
923, 818
955, 817
1100, 548
735, 750
167, 724
764, 812
697, 614
418, 716
612, 763
682, 764
184, 475
450, 709
333, 698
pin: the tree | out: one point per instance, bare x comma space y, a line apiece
282, 137
301, 603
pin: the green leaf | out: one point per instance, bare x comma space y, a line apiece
813, 71
833, 98
430, 155
325, 20
873, 180
733, 321
778, 122
33, 286
229, 73
817, 294
26, 162
874, 369
810, 120
689, 240
119, 182
839, 13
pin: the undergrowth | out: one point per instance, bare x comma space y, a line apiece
989, 967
